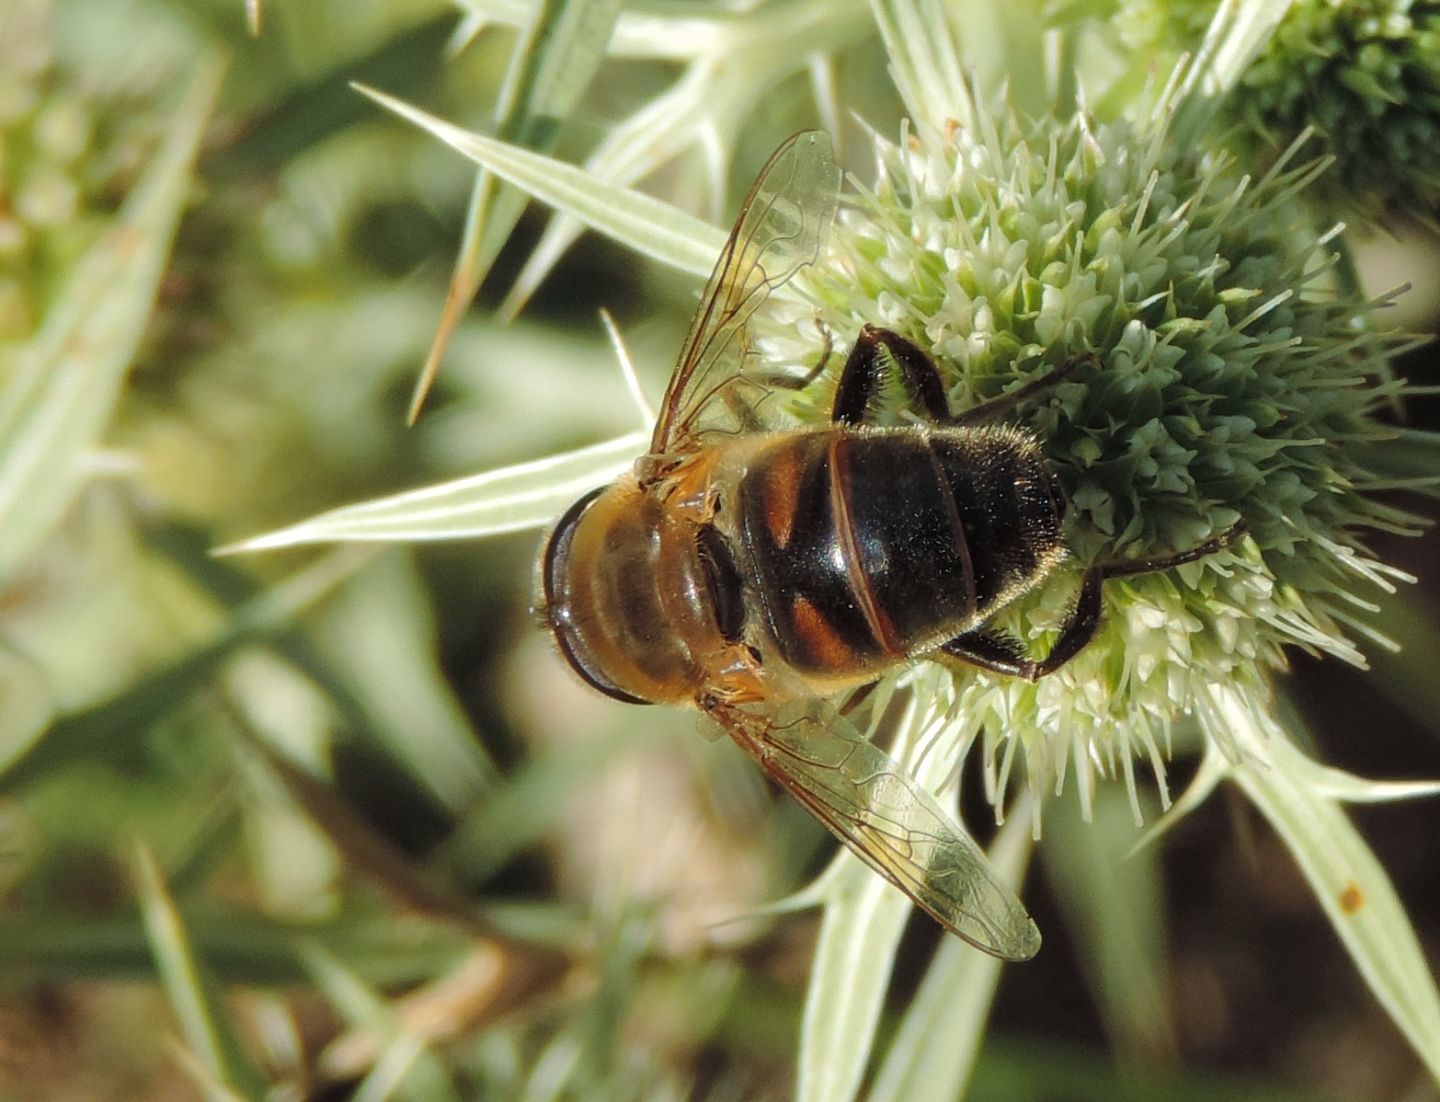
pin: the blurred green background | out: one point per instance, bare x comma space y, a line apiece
337, 824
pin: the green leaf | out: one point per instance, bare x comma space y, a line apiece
511, 499
553, 64
405, 1067
863, 918
676, 34
214, 1047
1235, 37
366, 851
381, 636
1351, 885
527, 802
29, 704
1009, 46
107, 730
550, 69
641, 222
60, 946
924, 61
211, 1088
1409, 457
704, 108
859, 934
633, 149
67, 380
323, 105
1113, 898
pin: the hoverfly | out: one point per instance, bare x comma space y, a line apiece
754, 572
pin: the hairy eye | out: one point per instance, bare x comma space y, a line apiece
722, 583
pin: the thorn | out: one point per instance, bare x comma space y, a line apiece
627, 368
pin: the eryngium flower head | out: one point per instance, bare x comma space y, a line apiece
1229, 382
1362, 76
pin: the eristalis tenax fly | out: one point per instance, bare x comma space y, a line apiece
758, 573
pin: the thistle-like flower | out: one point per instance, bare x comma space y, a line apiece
1228, 385
1356, 78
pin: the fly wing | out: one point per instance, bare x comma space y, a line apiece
886, 819
781, 228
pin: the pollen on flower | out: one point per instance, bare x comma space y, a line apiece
1231, 382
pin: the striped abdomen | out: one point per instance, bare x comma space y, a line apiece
868, 546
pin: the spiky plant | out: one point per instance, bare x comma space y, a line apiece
316, 814
1234, 380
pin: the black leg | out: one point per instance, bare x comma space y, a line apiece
800, 382
874, 352
990, 650
876, 349
1003, 654
1179, 558
829, 338
1079, 629
987, 411
741, 409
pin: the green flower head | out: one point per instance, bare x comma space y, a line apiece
1359, 80
1224, 382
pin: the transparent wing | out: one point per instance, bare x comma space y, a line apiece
781, 228
876, 808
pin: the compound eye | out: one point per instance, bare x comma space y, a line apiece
569, 637
557, 549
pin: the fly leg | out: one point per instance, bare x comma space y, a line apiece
791, 381
987, 411
1000, 653
990, 650
743, 406
1123, 567
820, 364
877, 351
